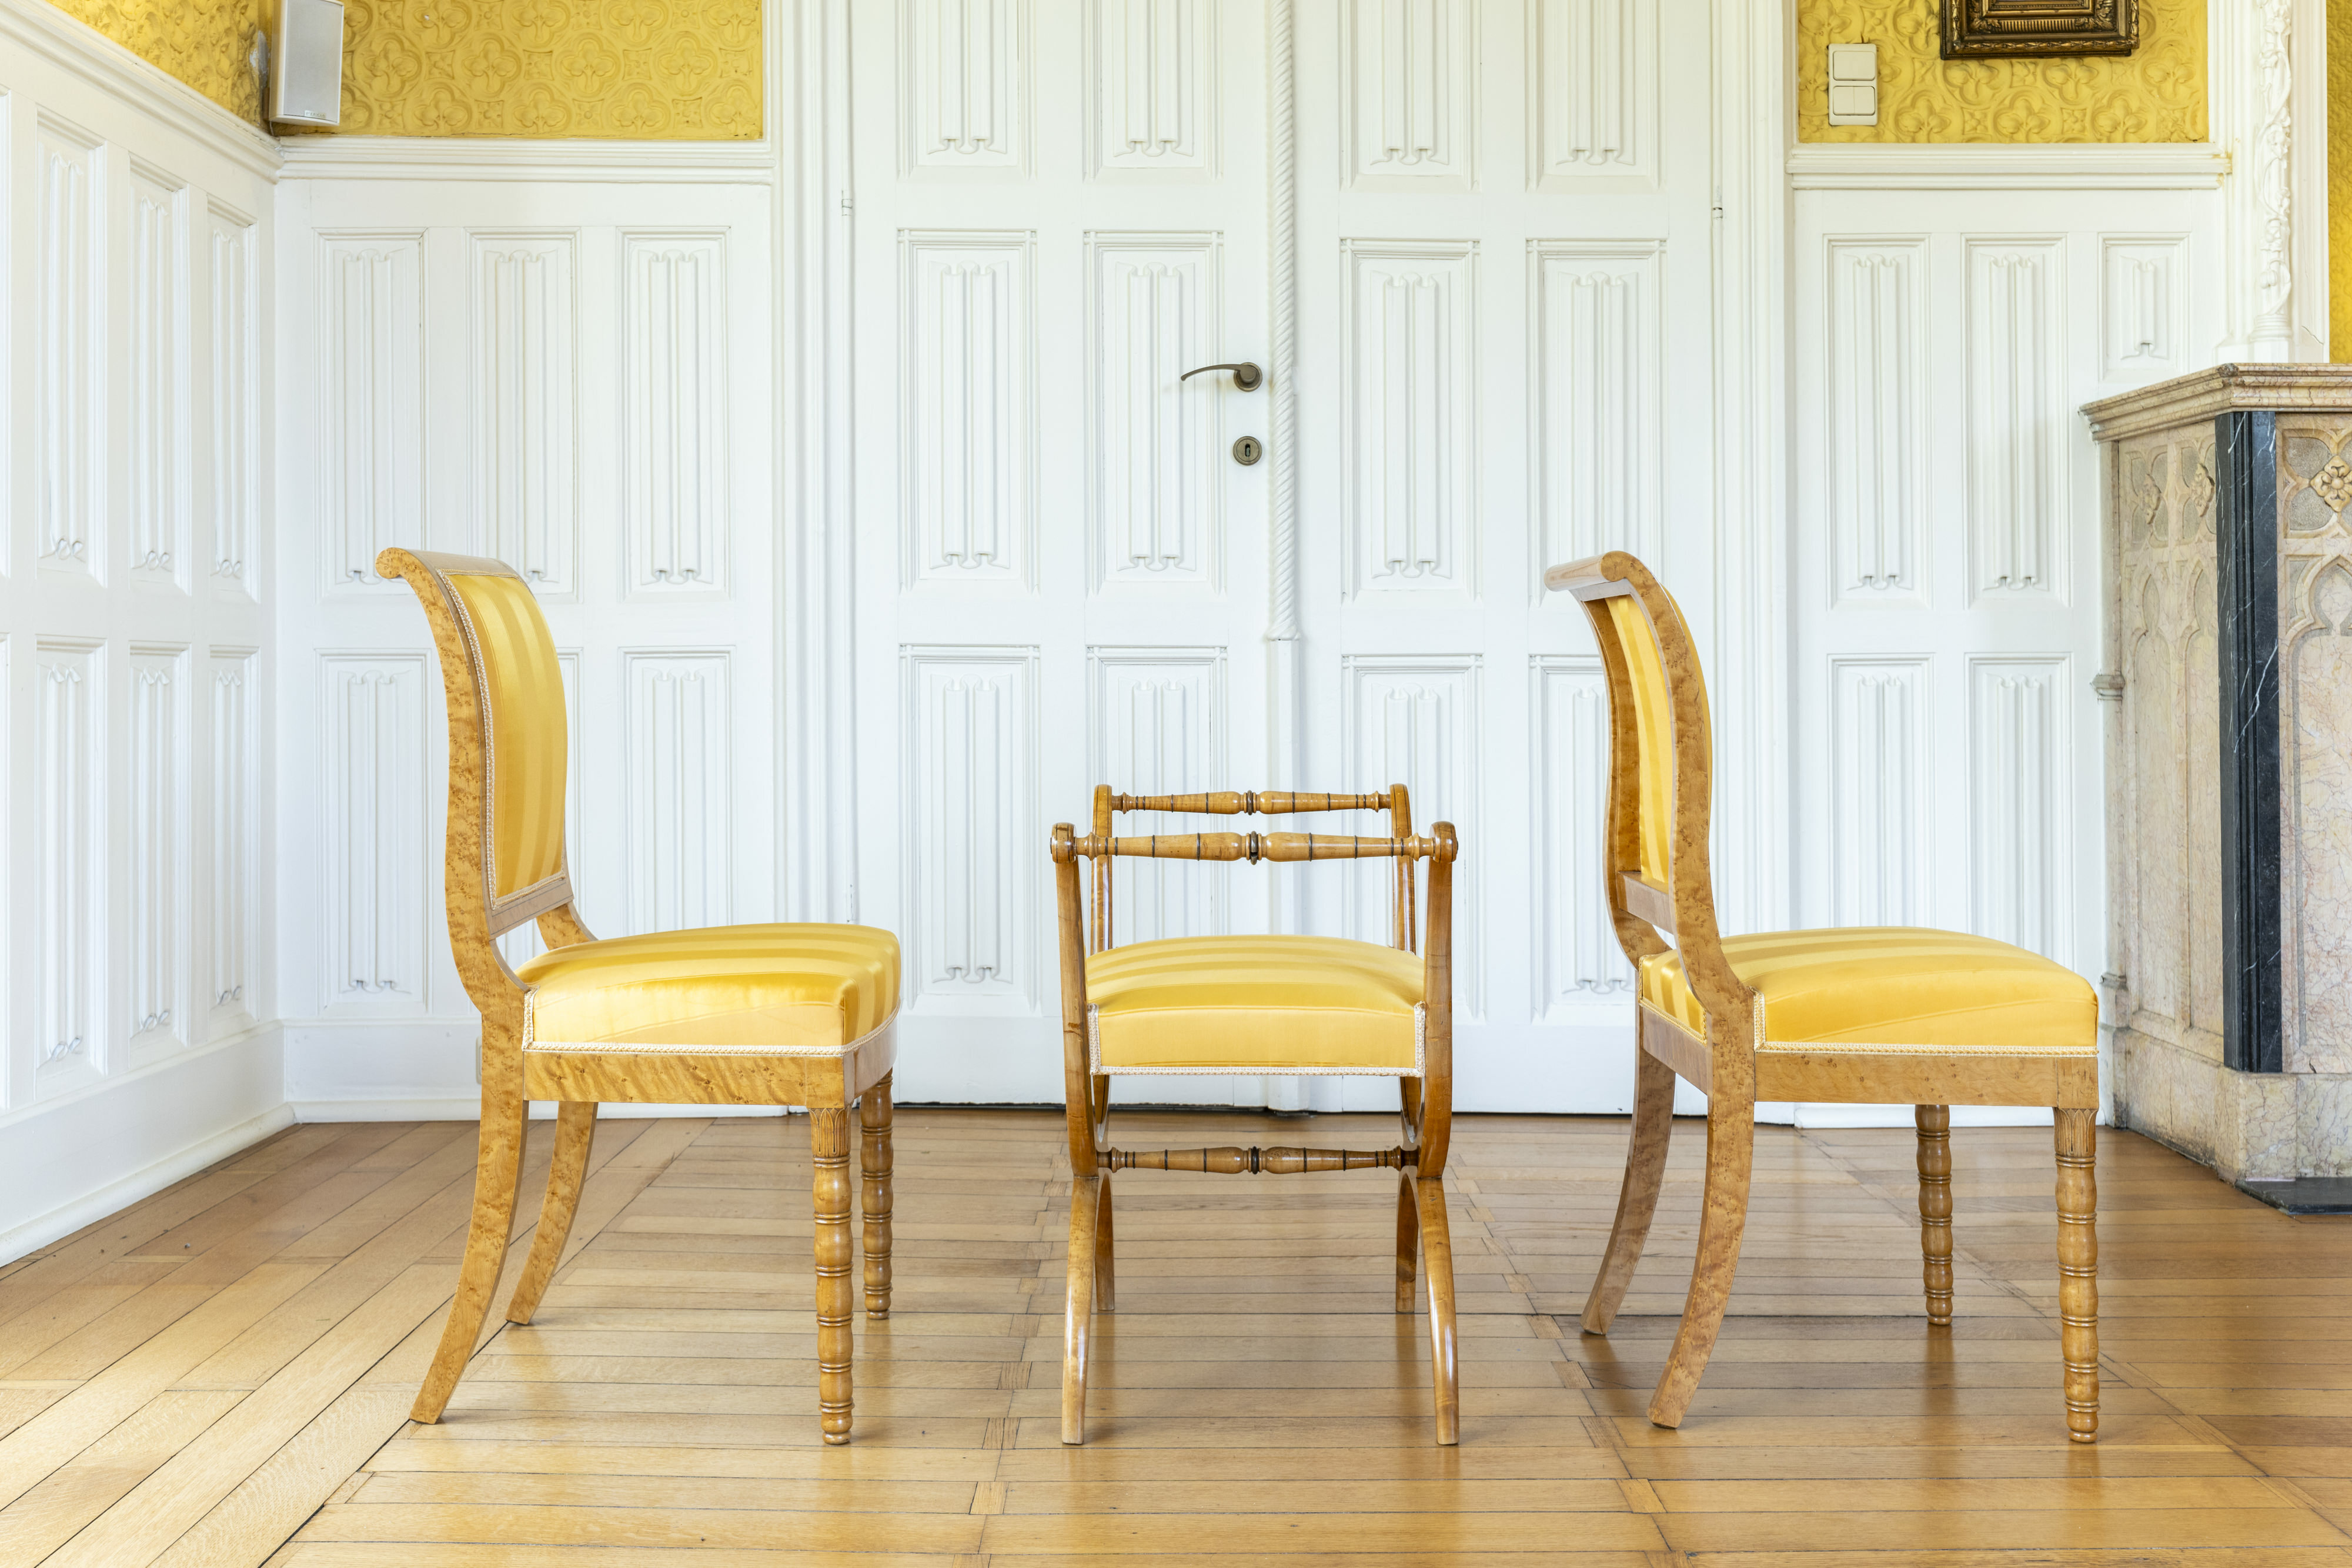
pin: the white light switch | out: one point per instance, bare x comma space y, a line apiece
1853, 84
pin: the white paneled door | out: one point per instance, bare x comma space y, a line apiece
1494, 219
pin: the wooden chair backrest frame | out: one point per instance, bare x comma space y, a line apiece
1428, 1107
478, 916
1651, 916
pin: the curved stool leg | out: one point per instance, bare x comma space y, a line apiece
874, 1113
575, 1136
1437, 1252
496, 1177
1408, 1239
836, 1296
1730, 1150
1079, 1310
1105, 1278
1637, 1200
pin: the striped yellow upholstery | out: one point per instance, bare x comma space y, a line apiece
527, 729
1652, 732
787, 988
1896, 984
1255, 1004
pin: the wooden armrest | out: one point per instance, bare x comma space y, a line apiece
1254, 847
1249, 803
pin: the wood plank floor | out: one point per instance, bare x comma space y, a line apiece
221, 1374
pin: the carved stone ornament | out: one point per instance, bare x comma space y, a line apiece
2019, 29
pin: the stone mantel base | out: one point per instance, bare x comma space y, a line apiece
2256, 1127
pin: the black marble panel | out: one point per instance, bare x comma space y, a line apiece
2245, 451
2304, 1195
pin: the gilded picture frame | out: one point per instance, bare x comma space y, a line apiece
2029, 29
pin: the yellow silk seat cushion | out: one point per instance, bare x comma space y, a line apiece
797, 989
1255, 1003
1896, 984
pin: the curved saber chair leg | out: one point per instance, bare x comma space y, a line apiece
1637, 1200
1437, 1252
1106, 1280
1730, 1158
1078, 1312
576, 1137
496, 1177
1407, 1254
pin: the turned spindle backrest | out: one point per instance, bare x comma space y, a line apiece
1661, 774
507, 751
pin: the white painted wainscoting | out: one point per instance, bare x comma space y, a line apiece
1953, 307
560, 355
137, 657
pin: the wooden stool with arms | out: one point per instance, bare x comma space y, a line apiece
1934, 1018
735, 1015
1252, 1005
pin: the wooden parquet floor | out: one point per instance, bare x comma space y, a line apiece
221, 1374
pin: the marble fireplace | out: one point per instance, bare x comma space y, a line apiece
2227, 694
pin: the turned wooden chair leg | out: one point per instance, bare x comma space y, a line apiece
1730, 1157
835, 1297
1079, 1310
874, 1111
1934, 1123
496, 1177
1437, 1253
576, 1134
1637, 1200
1408, 1255
2078, 1271
1106, 1280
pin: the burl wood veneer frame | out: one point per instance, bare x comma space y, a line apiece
579, 1079
1731, 1065
1427, 1099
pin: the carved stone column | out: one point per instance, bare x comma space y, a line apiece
2229, 707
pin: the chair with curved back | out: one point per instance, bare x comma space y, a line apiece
1934, 1018
736, 1015
1252, 1005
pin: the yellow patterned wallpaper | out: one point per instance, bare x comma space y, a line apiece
2155, 94
205, 43
662, 69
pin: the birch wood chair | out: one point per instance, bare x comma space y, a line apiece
734, 1015
1858, 1014
1252, 1005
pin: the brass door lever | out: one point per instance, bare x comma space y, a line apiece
1247, 377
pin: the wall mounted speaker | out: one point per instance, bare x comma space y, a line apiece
306, 87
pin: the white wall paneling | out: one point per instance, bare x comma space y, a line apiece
1157, 719
583, 386
677, 439
1600, 439
680, 811
968, 455
1582, 976
68, 402
1410, 75
970, 805
158, 777
1593, 90
371, 340
2019, 789
2144, 307
1878, 417
1411, 385
965, 75
1152, 84
1153, 315
372, 789
526, 460
232, 341
1882, 761
1414, 720
116, 1074
234, 865
2018, 420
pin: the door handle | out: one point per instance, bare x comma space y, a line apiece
1247, 377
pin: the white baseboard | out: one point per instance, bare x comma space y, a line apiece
75, 1163
450, 1108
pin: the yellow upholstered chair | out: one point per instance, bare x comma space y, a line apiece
1253, 1005
733, 1015
1933, 1018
